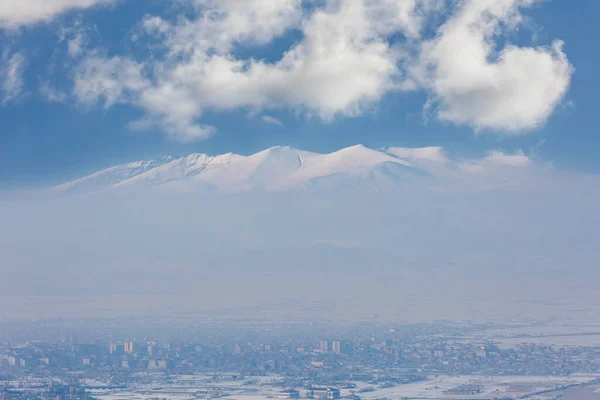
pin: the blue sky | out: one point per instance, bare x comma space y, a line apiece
89, 69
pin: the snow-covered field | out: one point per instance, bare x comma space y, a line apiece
491, 387
560, 341
584, 332
439, 387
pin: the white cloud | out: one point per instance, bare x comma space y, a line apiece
105, 81
271, 120
16, 13
518, 159
347, 59
500, 170
12, 68
109, 81
343, 66
497, 169
238, 21
513, 89
52, 94
75, 37
496, 161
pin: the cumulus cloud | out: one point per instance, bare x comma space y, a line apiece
349, 55
12, 68
512, 89
341, 67
17, 13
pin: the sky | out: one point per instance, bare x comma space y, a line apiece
87, 84
484, 111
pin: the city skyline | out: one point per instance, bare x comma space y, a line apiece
75, 359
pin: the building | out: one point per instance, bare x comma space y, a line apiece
324, 393
128, 347
336, 347
324, 346
288, 394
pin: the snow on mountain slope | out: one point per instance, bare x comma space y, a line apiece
260, 170
184, 169
111, 176
277, 168
226, 172
421, 155
353, 161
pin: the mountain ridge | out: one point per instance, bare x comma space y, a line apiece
275, 168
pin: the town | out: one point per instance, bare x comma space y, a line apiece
312, 361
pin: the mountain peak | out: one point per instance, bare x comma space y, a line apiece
279, 148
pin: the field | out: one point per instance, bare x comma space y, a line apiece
436, 387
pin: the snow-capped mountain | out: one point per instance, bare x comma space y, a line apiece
277, 168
